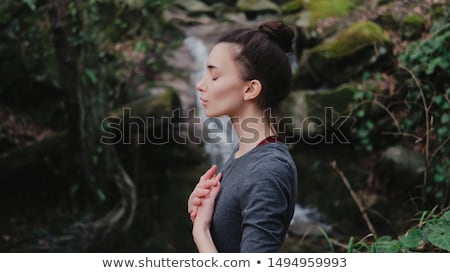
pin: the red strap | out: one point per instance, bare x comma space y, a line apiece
269, 139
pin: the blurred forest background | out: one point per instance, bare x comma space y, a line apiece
67, 65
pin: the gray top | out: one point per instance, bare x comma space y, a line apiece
256, 201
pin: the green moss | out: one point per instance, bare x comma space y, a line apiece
257, 5
414, 21
412, 27
357, 36
292, 6
321, 9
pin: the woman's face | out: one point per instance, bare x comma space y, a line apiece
221, 88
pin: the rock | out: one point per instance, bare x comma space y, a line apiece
412, 27
257, 6
194, 7
320, 112
293, 6
235, 17
322, 9
401, 166
230, 3
344, 56
387, 21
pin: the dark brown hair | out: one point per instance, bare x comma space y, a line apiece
263, 56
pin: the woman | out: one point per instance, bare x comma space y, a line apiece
247, 207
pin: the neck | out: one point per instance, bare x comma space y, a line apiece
251, 127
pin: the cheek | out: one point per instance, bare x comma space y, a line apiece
226, 95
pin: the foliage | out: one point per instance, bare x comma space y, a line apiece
101, 36
432, 235
412, 106
428, 62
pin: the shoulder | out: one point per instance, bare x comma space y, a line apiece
271, 166
273, 158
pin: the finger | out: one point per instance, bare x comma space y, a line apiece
212, 196
199, 193
195, 202
215, 191
218, 177
209, 172
206, 183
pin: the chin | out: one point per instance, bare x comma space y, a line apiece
211, 114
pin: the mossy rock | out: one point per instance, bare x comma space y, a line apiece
344, 56
322, 9
412, 26
357, 36
292, 7
194, 7
257, 6
387, 21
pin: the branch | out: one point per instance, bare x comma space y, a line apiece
389, 113
355, 198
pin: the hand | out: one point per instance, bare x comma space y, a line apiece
206, 210
202, 222
203, 188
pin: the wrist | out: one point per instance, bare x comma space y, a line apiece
203, 239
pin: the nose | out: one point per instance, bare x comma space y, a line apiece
201, 85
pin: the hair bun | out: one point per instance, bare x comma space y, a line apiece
280, 33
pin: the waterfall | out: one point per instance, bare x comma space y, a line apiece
220, 141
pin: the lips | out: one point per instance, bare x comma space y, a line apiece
204, 102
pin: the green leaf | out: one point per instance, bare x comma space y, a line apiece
141, 46
439, 178
446, 216
412, 238
438, 100
440, 239
360, 114
31, 4
445, 118
369, 125
358, 95
91, 75
442, 132
385, 245
101, 195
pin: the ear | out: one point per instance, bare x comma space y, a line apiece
253, 90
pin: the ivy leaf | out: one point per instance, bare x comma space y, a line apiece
385, 245
446, 216
412, 238
438, 233
440, 239
445, 118
31, 4
91, 75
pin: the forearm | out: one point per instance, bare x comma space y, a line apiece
203, 239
